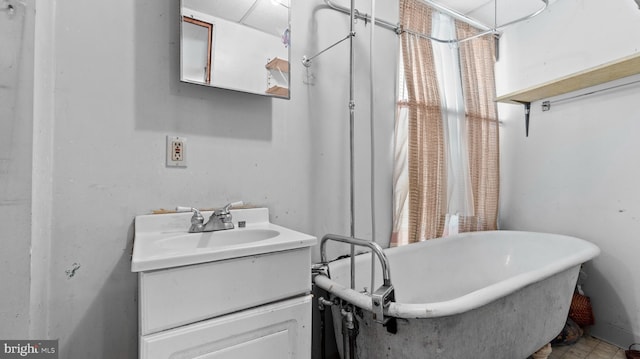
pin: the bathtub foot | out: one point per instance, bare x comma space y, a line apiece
543, 353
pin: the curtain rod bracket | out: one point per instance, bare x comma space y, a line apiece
306, 61
546, 105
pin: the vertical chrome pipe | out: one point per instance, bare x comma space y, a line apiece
372, 122
352, 107
345, 337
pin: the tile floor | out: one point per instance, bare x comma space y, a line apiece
588, 347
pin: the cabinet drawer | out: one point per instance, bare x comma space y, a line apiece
280, 330
173, 297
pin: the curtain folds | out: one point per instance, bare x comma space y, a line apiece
478, 83
426, 150
421, 193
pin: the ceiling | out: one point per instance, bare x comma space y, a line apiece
270, 16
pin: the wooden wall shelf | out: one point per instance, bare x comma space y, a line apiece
278, 91
278, 64
611, 71
278, 77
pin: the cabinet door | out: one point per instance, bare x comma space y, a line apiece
280, 330
180, 296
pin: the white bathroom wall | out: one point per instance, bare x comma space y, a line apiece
578, 171
328, 93
16, 102
106, 95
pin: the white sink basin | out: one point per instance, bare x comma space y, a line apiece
162, 241
217, 239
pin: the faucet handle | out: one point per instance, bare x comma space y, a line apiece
197, 221
225, 209
233, 204
196, 212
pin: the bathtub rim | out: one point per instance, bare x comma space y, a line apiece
474, 299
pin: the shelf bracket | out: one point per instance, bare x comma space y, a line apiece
527, 112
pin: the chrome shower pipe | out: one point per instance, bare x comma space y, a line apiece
363, 16
456, 15
352, 108
486, 30
500, 27
306, 61
478, 25
396, 27
546, 4
374, 247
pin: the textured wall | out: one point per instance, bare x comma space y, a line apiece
577, 172
16, 102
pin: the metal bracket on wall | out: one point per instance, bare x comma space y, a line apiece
527, 112
546, 105
306, 61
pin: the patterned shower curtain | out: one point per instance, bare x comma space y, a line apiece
422, 174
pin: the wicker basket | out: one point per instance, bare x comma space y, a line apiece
581, 311
631, 353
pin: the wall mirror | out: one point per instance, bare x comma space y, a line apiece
240, 45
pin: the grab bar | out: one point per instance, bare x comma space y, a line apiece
381, 297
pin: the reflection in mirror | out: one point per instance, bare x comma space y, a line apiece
196, 37
240, 45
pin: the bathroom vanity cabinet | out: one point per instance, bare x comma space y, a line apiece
254, 312
246, 294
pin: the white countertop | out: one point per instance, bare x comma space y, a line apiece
162, 240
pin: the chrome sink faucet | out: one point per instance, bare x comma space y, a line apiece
219, 220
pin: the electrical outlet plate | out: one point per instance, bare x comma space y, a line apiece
176, 151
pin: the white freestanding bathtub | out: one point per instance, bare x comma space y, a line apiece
496, 294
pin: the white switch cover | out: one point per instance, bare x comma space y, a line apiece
176, 151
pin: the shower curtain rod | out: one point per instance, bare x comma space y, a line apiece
485, 30
546, 105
